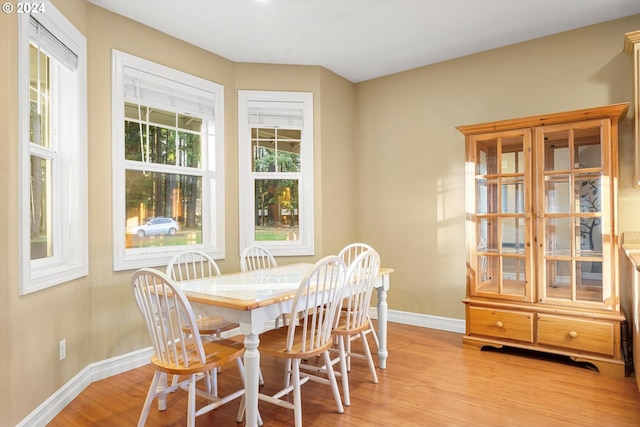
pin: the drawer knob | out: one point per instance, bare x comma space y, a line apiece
499, 324
573, 334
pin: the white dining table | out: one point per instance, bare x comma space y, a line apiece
256, 297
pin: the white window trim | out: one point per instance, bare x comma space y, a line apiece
304, 245
71, 258
213, 231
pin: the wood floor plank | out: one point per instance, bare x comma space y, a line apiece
430, 380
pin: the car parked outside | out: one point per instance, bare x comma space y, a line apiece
156, 226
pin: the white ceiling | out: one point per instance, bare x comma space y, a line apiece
363, 39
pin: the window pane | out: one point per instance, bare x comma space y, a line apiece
273, 147
39, 97
163, 209
151, 137
162, 117
41, 214
189, 150
276, 202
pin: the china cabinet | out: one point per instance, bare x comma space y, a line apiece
542, 244
632, 48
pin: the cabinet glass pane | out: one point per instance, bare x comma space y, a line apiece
487, 197
512, 155
487, 157
558, 279
588, 237
587, 188
513, 235
558, 232
488, 235
557, 194
556, 151
589, 281
588, 152
513, 195
489, 273
513, 276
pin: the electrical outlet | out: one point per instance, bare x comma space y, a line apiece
62, 350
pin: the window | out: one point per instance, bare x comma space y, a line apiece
275, 142
168, 163
52, 150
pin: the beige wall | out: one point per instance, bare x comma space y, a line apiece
410, 158
96, 314
388, 171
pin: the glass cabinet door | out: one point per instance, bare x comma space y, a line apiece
502, 227
571, 200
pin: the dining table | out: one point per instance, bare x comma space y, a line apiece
254, 298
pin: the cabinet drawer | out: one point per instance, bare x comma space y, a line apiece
504, 324
577, 334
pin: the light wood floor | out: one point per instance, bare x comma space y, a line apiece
430, 381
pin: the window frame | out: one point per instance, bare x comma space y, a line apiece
69, 204
213, 179
304, 245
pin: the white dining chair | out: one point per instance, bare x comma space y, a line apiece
316, 304
167, 313
256, 258
191, 265
348, 255
353, 320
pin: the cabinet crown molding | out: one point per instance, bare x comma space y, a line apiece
614, 111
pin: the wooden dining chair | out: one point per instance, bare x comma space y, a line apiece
353, 321
318, 301
256, 258
348, 254
167, 313
191, 265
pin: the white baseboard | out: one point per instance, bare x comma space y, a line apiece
51, 407
424, 320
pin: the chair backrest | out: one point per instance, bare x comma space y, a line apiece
167, 313
317, 303
351, 251
359, 278
256, 258
192, 264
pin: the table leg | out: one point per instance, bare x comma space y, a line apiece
251, 378
382, 325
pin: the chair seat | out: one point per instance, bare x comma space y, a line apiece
341, 328
273, 343
218, 353
214, 325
